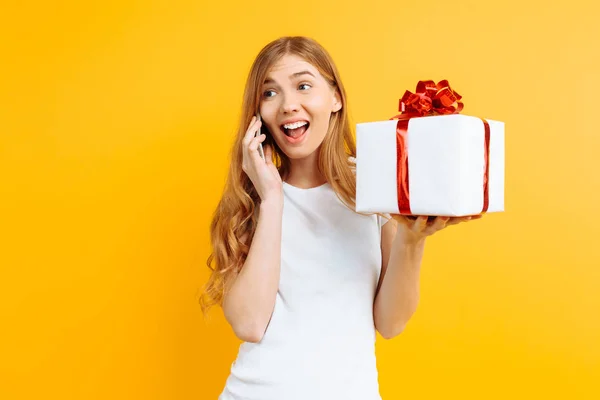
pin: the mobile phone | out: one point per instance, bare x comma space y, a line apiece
260, 148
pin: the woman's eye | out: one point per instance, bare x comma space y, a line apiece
304, 84
266, 93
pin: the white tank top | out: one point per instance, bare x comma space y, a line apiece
320, 342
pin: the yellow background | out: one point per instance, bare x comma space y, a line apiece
116, 120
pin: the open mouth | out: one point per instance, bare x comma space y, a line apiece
295, 131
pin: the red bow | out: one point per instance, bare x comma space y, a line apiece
429, 99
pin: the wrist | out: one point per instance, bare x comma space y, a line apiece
410, 239
272, 202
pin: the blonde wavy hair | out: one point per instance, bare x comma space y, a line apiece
235, 217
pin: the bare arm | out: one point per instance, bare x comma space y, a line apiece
249, 302
398, 290
403, 243
249, 298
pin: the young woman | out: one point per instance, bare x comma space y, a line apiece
302, 279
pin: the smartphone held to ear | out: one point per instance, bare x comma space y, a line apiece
260, 148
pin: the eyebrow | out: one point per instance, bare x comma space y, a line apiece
294, 75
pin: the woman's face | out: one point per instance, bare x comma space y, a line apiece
296, 103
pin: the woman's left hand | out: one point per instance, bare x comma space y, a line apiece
415, 230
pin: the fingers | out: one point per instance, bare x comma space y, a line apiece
250, 141
438, 224
458, 220
252, 128
250, 146
253, 148
253, 145
255, 141
420, 223
413, 222
402, 219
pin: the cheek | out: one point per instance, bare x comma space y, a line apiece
267, 111
318, 104
320, 107
268, 114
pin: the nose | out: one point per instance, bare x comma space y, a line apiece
290, 104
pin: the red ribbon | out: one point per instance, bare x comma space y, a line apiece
430, 99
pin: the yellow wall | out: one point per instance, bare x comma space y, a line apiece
116, 119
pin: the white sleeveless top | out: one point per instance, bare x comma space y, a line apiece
320, 342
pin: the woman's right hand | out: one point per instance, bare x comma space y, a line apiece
263, 173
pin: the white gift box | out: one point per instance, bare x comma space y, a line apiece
446, 166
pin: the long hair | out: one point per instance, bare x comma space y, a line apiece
236, 214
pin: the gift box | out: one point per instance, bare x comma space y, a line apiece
430, 159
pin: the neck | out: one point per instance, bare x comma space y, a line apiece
304, 173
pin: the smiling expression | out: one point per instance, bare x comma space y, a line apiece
296, 105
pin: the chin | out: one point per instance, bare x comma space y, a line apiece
297, 156
301, 150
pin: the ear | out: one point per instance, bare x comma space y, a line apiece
337, 102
